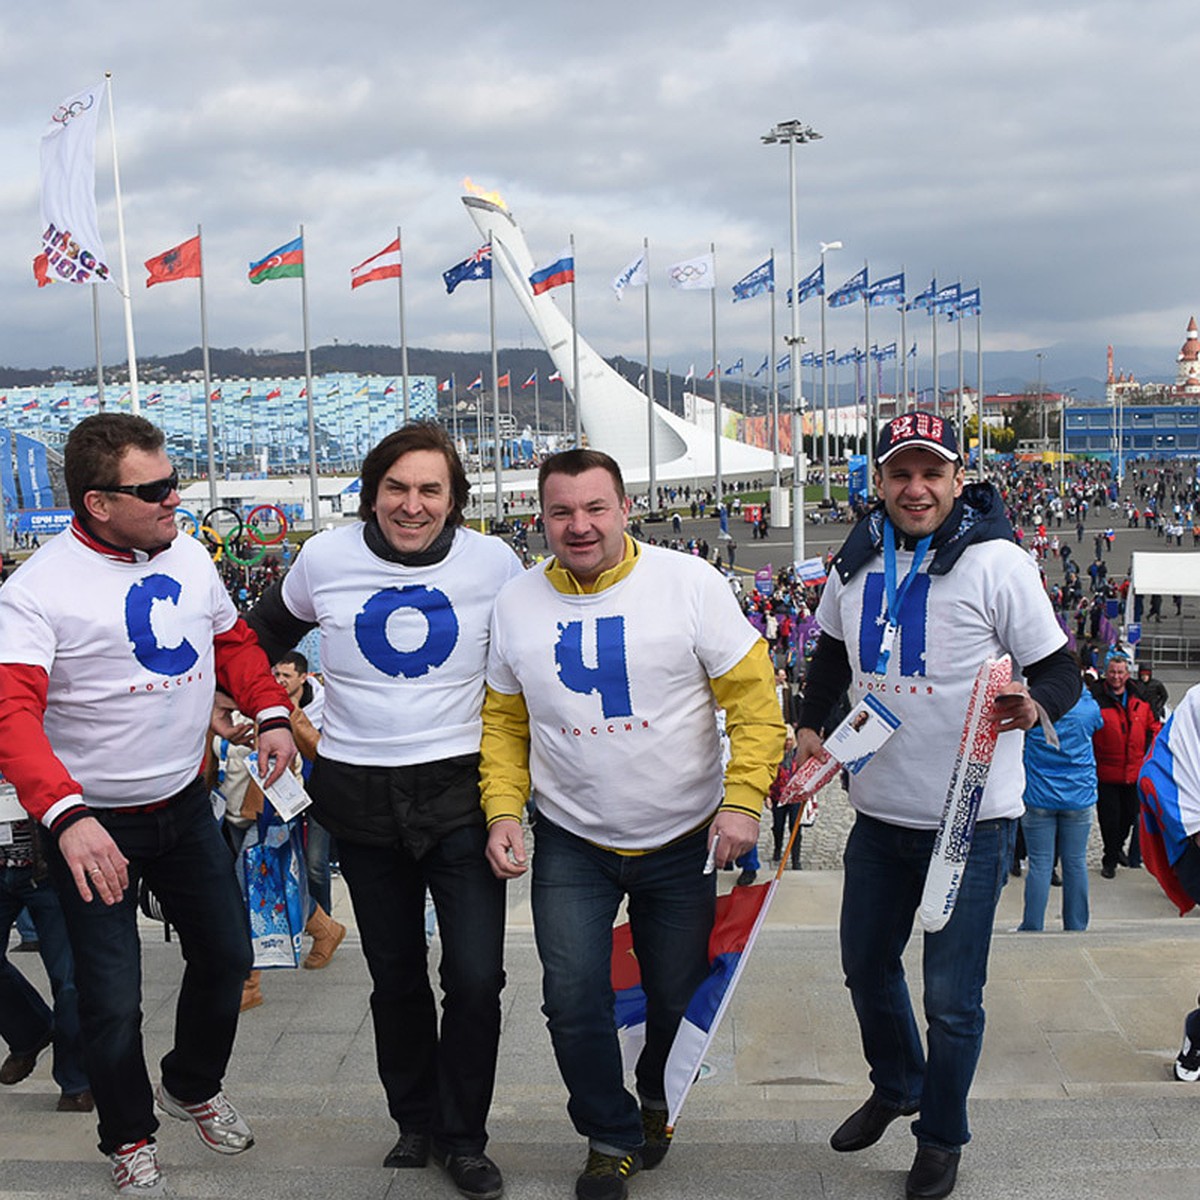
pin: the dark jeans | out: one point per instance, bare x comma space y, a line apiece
783, 821
24, 1018
434, 1084
1116, 811
179, 851
885, 875
577, 889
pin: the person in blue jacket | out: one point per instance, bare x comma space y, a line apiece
1060, 802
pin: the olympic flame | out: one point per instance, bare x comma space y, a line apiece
473, 189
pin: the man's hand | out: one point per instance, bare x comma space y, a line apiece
277, 744
808, 745
506, 849
94, 860
738, 832
1014, 708
223, 725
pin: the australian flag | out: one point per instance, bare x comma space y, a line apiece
477, 266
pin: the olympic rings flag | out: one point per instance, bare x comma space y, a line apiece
233, 543
72, 251
694, 273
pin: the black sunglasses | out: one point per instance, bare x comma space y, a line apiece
150, 493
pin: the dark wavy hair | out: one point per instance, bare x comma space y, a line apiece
575, 462
416, 435
95, 447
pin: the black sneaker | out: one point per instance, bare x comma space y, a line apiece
475, 1175
1187, 1065
605, 1174
658, 1137
411, 1150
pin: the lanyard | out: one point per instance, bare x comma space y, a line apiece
895, 594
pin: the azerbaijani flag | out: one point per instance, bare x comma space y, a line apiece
285, 263
384, 265
555, 274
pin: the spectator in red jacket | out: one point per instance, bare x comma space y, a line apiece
1129, 728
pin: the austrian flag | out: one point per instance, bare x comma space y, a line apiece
384, 265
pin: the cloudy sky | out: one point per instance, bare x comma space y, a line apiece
1047, 150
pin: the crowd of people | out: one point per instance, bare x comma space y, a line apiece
474, 693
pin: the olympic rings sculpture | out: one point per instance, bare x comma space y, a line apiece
246, 540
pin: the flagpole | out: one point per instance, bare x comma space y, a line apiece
867, 367
127, 303
537, 409
773, 376
712, 247
99, 355
314, 493
498, 467
962, 405
403, 337
979, 386
826, 492
652, 484
937, 398
904, 343
576, 387
208, 420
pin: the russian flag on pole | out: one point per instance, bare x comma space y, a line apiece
740, 915
555, 274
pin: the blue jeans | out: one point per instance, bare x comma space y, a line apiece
577, 889
1070, 828
316, 860
435, 1083
178, 849
885, 874
25, 1019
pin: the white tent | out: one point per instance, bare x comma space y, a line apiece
1165, 574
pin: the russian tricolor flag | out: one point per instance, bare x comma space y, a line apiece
739, 917
555, 274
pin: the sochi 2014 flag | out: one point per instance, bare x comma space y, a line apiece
384, 265
72, 251
554, 274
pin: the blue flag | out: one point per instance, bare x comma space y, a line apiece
845, 359
887, 291
766, 362
738, 367
477, 266
925, 299
807, 360
783, 364
761, 279
968, 304
884, 353
946, 298
850, 291
812, 284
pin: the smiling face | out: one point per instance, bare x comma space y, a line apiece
918, 488
1116, 675
414, 500
585, 522
124, 520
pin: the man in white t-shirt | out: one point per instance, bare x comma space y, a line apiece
403, 600
927, 587
112, 639
605, 669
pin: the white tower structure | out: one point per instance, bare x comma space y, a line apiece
612, 410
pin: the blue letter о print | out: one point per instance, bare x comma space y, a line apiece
370, 630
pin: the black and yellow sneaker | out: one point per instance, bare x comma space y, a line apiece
658, 1137
605, 1174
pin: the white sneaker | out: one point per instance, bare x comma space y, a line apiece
218, 1123
135, 1169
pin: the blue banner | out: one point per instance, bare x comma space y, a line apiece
7, 482
858, 479
43, 523
33, 473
